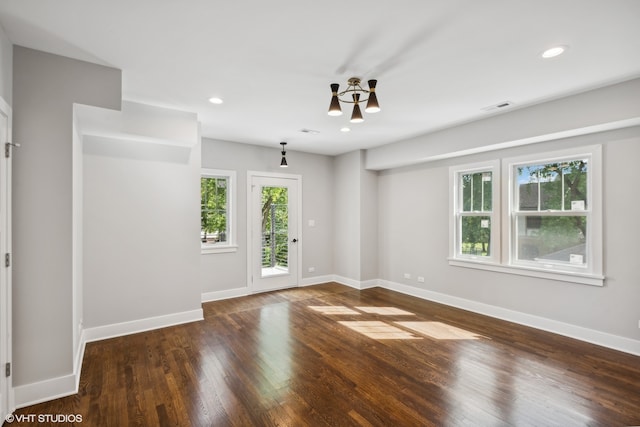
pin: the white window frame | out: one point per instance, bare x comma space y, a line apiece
455, 214
592, 274
230, 245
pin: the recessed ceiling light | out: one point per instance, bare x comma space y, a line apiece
215, 100
554, 51
345, 129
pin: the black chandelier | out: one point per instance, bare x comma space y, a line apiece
283, 162
353, 94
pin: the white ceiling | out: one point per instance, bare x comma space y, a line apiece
438, 63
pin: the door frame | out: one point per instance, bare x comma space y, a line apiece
298, 246
7, 405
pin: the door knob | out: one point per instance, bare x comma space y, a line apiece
294, 240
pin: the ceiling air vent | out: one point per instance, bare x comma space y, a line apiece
310, 131
498, 106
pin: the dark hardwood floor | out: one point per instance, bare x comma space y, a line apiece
329, 355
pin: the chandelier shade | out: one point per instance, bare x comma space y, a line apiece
334, 107
372, 102
354, 94
356, 115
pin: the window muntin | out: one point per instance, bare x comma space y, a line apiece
550, 214
217, 204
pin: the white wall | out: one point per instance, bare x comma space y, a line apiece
356, 219
228, 271
142, 219
368, 223
414, 238
6, 68
44, 88
347, 215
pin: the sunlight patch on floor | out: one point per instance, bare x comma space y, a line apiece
379, 330
439, 330
386, 331
332, 309
385, 311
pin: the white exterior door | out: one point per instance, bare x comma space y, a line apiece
274, 237
6, 393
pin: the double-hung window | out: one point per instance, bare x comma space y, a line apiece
537, 215
555, 221
476, 213
217, 203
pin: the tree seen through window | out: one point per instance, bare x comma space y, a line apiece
213, 210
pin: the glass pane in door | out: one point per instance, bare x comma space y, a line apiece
275, 231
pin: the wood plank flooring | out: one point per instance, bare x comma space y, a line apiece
374, 358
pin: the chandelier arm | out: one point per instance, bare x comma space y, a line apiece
354, 90
361, 100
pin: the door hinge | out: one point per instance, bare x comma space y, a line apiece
7, 260
7, 369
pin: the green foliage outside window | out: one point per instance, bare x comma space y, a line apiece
213, 209
477, 197
275, 227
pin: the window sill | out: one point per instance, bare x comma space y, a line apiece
204, 250
581, 278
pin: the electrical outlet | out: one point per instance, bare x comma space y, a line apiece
312, 269
407, 275
420, 279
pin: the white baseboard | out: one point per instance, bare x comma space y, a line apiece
141, 325
357, 284
317, 280
54, 388
604, 339
77, 366
226, 294
367, 284
67, 385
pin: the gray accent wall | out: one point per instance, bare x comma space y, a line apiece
45, 86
